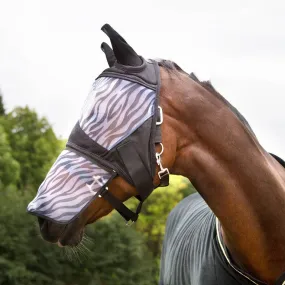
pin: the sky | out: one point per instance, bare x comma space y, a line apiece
50, 53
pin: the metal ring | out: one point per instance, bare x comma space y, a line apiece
162, 149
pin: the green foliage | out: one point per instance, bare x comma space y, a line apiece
2, 108
119, 255
33, 143
116, 255
9, 167
152, 220
157, 207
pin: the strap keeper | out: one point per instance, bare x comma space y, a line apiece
160, 116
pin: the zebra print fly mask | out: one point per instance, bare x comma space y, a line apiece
115, 135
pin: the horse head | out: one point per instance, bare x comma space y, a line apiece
122, 146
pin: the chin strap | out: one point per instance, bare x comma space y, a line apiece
125, 212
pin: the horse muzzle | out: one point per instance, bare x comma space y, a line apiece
63, 235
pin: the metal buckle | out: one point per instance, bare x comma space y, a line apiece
129, 223
160, 116
163, 171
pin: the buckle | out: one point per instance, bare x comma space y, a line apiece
162, 173
160, 116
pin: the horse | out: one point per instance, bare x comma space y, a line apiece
231, 232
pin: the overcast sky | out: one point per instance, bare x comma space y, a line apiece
50, 53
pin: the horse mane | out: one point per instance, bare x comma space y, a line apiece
171, 66
279, 159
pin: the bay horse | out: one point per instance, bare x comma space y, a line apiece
232, 232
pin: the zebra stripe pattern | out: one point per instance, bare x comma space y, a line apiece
71, 184
114, 109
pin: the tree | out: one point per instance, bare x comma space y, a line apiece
2, 109
119, 254
156, 209
9, 167
34, 145
116, 255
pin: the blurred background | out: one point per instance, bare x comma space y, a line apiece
49, 57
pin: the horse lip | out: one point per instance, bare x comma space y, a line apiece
50, 232
70, 241
70, 236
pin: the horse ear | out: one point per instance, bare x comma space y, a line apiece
110, 56
123, 52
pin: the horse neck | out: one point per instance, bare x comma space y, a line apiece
239, 180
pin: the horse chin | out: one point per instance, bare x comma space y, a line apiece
70, 236
62, 235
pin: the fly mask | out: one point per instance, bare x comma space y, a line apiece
116, 135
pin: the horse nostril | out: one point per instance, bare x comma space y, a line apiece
41, 222
50, 231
